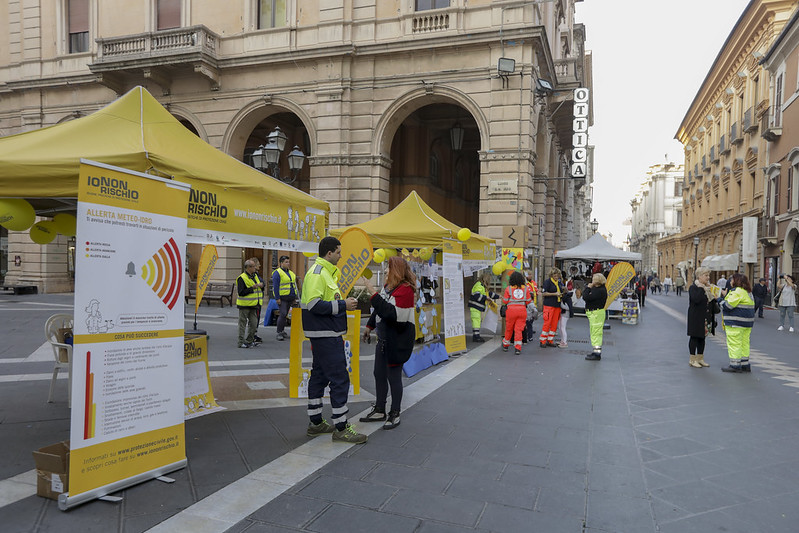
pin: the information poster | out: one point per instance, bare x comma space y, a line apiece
298, 375
454, 305
127, 385
198, 395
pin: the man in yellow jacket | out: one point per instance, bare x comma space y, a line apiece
250, 296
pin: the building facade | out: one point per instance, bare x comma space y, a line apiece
470, 103
656, 213
780, 229
725, 153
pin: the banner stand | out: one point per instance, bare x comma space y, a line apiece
66, 502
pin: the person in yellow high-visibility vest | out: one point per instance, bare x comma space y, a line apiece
250, 296
285, 291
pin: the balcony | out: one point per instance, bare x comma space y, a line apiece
768, 130
735, 135
705, 166
768, 230
724, 148
427, 22
749, 122
158, 56
569, 71
714, 158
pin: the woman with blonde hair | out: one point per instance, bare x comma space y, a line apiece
394, 317
595, 295
700, 316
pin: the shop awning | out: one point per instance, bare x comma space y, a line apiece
721, 262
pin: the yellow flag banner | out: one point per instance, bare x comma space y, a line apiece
207, 263
356, 254
620, 275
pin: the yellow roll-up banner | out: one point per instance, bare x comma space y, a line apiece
620, 275
356, 254
207, 263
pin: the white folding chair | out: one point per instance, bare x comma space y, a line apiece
62, 352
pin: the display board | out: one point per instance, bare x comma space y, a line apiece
454, 303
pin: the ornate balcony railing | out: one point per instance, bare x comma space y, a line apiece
178, 41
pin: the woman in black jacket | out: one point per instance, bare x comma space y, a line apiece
700, 315
394, 316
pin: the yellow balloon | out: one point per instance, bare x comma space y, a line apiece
380, 255
43, 232
498, 268
464, 234
367, 274
16, 214
309, 254
390, 252
65, 224
425, 254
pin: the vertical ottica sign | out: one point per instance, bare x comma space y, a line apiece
127, 368
580, 137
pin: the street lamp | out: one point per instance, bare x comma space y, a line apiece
594, 226
660, 259
267, 157
696, 252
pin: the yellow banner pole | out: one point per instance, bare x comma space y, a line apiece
208, 261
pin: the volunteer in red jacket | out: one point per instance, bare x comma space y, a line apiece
517, 296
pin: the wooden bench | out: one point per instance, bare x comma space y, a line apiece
222, 291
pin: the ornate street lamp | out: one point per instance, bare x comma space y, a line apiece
456, 136
267, 157
594, 226
696, 253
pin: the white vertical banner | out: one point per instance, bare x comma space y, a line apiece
454, 303
127, 367
749, 240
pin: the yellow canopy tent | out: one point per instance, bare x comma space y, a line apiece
230, 203
414, 224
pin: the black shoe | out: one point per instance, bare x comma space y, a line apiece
505, 348
517, 351
732, 369
374, 416
477, 338
392, 421
593, 357
746, 368
258, 339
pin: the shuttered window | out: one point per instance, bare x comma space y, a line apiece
168, 14
78, 25
271, 13
424, 5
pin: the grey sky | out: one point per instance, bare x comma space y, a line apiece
649, 59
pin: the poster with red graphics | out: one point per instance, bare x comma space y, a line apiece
127, 363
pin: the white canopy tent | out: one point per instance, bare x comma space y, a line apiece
596, 248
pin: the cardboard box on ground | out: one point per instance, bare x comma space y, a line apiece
52, 470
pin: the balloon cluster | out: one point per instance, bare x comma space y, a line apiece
16, 214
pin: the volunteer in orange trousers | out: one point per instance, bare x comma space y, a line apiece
552, 290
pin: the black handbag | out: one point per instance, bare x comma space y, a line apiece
502, 310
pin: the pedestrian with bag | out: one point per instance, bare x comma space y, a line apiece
285, 291
595, 296
394, 318
738, 309
517, 296
552, 290
679, 284
760, 293
477, 303
324, 321
249, 297
566, 312
700, 317
786, 297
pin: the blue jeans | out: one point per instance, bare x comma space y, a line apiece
789, 310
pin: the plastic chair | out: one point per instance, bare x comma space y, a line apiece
63, 359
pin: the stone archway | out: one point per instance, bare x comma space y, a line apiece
189, 120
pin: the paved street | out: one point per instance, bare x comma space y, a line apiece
489, 441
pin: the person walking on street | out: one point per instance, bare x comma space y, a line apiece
285, 291
552, 290
679, 283
250, 296
394, 317
760, 292
324, 321
700, 317
256, 339
517, 296
477, 303
532, 310
641, 290
738, 308
566, 312
667, 284
787, 301
595, 296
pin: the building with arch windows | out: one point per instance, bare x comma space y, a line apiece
470, 103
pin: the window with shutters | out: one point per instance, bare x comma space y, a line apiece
424, 5
167, 14
778, 101
78, 26
271, 14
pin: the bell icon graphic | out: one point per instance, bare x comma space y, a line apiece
131, 269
